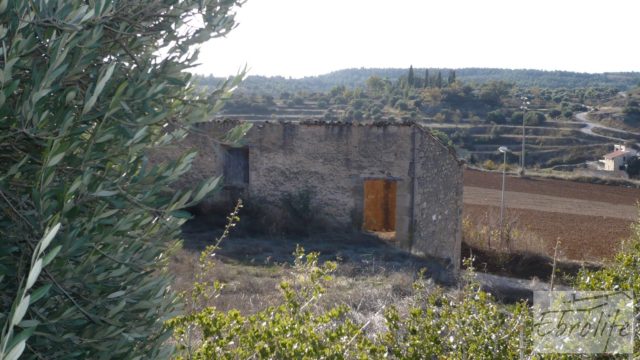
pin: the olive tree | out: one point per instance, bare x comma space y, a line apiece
88, 88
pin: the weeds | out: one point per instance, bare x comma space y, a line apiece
203, 290
487, 234
300, 214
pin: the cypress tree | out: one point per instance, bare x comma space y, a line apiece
411, 77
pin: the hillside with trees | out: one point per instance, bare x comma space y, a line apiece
354, 78
474, 117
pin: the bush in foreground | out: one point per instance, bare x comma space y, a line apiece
88, 88
461, 324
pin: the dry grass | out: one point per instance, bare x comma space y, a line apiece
371, 274
248, 288
529, 252
485, 233
367, 289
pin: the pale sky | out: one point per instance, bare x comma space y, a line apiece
311, 37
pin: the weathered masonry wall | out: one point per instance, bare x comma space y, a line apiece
334, 160
438, 200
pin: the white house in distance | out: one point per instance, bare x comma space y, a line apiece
615, 161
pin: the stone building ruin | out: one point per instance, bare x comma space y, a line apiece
395, 179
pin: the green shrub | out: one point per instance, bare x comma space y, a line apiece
555, 113
463, 326
401, 105
622, 274
323, 103
496, 116
516, 117
534, 118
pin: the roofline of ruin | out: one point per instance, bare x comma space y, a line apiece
377, 123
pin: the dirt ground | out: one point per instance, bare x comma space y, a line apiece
574, 213
371, 274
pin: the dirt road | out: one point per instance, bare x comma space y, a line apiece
589, 125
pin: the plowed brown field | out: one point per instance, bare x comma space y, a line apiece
590, 220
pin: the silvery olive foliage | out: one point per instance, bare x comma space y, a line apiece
89, 88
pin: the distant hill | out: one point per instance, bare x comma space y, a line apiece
351, 78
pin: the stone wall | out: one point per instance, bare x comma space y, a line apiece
332, 160
438, 200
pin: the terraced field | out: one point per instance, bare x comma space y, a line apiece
554, 142
590, 220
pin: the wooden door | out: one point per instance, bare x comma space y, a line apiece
380, 205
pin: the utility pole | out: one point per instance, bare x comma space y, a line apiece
504, 150
524, 107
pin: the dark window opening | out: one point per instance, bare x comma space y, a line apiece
236, 166
380, 207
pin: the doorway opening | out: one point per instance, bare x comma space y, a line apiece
380, 207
